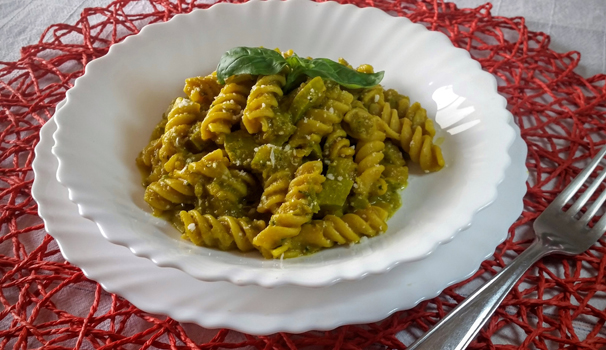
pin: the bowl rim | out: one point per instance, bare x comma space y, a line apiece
264, 278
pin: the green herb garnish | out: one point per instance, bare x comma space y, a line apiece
261, 61
330, 70
249, 60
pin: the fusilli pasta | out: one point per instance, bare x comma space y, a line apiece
347, 229
224, 232
202, 90
262, 101
318, 122
285, 166
226, 109
297, 209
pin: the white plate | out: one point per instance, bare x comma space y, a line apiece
112, 109
254, 309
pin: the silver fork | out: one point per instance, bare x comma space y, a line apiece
557, 232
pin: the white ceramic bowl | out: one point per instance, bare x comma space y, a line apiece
112, 109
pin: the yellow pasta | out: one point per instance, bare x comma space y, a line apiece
149, 161
277, 166
415, 134
183, 114
348, 229
226, 110
373, 99
369, 154
202, 90
284, 164
224, 232
297, 209
337, 144
228, 185
166, 193
318, 122
262, 101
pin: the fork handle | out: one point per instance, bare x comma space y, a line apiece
460, 326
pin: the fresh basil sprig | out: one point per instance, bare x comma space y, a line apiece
249, 60
331, 70
261, 61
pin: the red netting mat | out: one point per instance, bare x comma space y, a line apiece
561, 115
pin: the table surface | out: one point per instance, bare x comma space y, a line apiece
575, 25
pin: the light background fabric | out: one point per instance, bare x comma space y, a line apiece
575, 25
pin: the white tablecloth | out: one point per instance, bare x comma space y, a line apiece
575, 25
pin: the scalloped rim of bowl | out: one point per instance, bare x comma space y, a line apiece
353, 270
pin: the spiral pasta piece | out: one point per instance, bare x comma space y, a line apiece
226, 109
415, 134
337, 144
262, 101
420, 147
373, 99
330, 159
369, 153
149, 162
224, 232
274, 193
394, 165
277, 166
298, 208
224, 185
351, 227
348, 229
368, 157
365, 68
166, 193
319, 122
397, 101
202, 90
182, 115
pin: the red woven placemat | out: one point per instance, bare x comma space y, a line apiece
561, 115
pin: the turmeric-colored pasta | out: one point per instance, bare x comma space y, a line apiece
337, 144
262, 101
284, 164
224, 232
369, 154
298, 208
415, 134
277, 166
226, 184
183, 114
226, 109
202, 90
333, 230
318, 122
166, 193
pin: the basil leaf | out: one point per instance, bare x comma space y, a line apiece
331, 70
249, 60
298, 67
